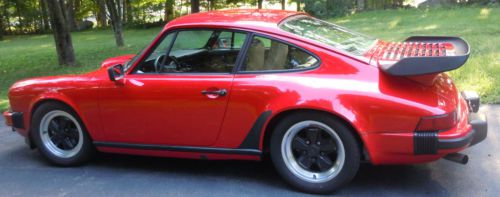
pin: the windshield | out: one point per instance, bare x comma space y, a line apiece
129, 63
327, 33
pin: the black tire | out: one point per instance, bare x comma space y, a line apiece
84, 154
350, 145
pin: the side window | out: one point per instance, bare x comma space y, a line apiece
230, 40
265, 54
195, 51
148, 65
191, 40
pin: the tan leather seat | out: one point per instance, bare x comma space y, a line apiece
277, 56
255, 56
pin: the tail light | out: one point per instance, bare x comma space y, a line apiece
438, 123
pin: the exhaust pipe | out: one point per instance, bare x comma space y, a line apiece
457, 157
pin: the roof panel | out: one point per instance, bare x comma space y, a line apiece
237, 18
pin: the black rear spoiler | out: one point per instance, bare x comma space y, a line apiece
421, 65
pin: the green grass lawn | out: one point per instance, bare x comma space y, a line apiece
31, 56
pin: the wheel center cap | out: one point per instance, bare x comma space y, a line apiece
314, 150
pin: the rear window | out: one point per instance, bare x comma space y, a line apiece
328, 33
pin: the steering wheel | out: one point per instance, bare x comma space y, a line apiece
159, 63
176, 61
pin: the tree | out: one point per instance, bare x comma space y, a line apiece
169, 10
62, 36
116, 21
70, 14
259, 4
1, 25
283, 2
45, 15
195, 6
128, 11
101, 17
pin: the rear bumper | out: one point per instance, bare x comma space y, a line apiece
421, 147
426, 142
478, 133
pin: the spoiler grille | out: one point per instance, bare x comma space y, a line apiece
397, 50
420, 55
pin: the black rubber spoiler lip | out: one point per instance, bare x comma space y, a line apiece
411, 66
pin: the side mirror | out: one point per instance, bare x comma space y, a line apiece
116, 72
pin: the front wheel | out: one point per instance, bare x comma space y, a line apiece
314, 152
60, 135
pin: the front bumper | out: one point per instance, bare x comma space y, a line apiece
8, 118
14, 119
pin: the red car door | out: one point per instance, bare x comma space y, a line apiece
165, 109
175, 99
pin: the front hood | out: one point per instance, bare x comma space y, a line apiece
54, 81
116, 60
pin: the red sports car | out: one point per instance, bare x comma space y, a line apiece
315, 97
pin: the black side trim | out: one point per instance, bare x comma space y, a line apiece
179, 148
252, 140
425, 142
17, 120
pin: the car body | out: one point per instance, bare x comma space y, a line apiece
396, 116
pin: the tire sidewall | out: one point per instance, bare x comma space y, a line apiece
351, 147
87, 148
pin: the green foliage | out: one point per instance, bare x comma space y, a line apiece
328, 8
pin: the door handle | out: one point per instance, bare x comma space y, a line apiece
221, 92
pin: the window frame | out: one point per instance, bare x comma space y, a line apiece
247, 46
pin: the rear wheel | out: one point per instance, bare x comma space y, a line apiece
60, 135
314, 152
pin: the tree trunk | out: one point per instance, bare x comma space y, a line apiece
360, 5
169, 10
70, 14
298, 5
77, 6
7, 19
1, 25
20, 20
259, 4
102, 19
116, 22
62, 36
130, 16
45, 16
124, 11
195, 6
283, 2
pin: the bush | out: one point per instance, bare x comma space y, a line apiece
328, 8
